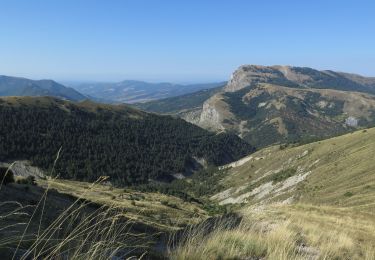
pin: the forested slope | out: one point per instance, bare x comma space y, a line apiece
128, 145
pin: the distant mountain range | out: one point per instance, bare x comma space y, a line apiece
15, 86
131, 91
128, 91
272, 104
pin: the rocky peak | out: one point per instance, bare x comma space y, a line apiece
297, 77
248, 75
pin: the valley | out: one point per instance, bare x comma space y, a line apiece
187, 130
277, 164
314, 201
133, 91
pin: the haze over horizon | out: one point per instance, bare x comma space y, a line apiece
181, 42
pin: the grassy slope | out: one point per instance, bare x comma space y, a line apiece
286, 232
328, 215
98, 217
161, 211
340, 171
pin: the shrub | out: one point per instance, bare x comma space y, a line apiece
283, 146
6, 176
283, 175
29, 180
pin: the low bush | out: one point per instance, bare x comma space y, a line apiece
6, 176
29, 180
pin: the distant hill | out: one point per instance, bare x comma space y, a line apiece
14, 86
126, 144
131, 91
277, 104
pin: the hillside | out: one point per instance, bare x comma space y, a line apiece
14, 86
333, 172
132, 91
268, 105
96, 140
134, 221
268, 114
314, 201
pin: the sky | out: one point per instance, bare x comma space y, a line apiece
182, 41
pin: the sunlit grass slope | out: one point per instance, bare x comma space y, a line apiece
339, 171
315, 201
286, 232
159, 210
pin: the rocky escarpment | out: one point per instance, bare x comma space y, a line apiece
250, 75
210, 116
216, 114
191, 116
298, 77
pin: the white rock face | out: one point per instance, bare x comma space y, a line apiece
238, 80
237, 163
351, 121
248, 75
192, 116
211, 117
268, 189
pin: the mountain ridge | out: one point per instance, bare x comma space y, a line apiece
19, 86
249, 75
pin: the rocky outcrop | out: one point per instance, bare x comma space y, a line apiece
23, 169
210, 116
215, 113
191, 116
250, 75
299, 77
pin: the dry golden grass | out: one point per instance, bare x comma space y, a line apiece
144, 207
78, 232
285, 232
334, 214
331, 215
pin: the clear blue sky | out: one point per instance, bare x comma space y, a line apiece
181, 41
